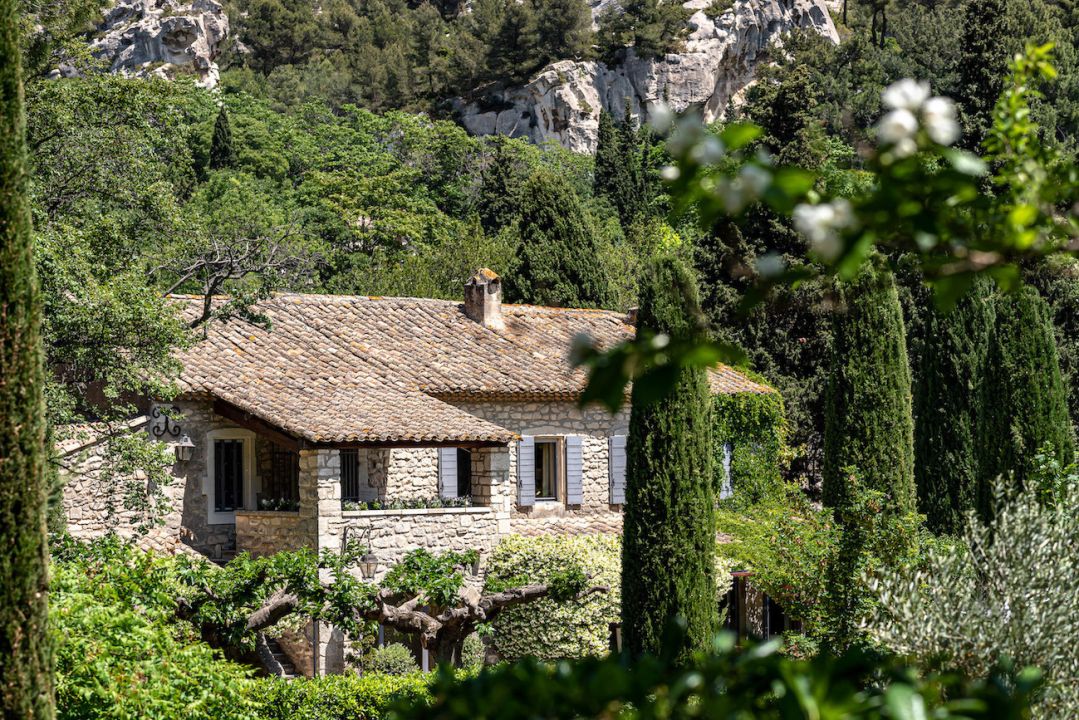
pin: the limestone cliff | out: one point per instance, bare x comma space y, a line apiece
562, 103
163, 37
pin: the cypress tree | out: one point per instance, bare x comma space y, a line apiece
947, 398
557, 261
222, 153
26, 688
1024, 404
868, 423
985, 49
668, 548
608, 174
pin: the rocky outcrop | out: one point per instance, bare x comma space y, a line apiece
163, 37
562, 103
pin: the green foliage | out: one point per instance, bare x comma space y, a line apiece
222, 153
622, 167
669, 520
392, 659
754, 426
951, 353
868, 421
1025, 406
548, 628
651, 27
338, 697
756, 682
437, 578
121, 652
1000, 593
788, 546
26, 682
1057, 280
557, 260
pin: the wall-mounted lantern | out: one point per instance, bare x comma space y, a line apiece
368, 562
185, 449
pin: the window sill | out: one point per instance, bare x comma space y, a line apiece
474, 510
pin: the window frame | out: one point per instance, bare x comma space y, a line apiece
209, 487
559, 467
363, 477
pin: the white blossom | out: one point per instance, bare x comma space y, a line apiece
939, 119
661, 118
821, 225
670, 173
905, 94
755, 178
708, 151
896, 126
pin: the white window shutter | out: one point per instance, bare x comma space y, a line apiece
526, 472
447, 473
727, 489
574, 470
616, 468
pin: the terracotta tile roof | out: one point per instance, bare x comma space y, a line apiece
341, 368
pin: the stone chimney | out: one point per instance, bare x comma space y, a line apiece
483, 299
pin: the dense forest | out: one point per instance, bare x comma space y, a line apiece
308, 169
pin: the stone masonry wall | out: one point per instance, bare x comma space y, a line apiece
87, 501
404, 473
264, 533
594, 424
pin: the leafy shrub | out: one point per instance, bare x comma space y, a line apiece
392, 659
1009, 590
339, 697
120, 652
757, 682
548, 628
473, 653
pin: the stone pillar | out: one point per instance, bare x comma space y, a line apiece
491, 484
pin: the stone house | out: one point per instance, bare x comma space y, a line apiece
400, 422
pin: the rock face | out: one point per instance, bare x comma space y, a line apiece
163, 37
562, 103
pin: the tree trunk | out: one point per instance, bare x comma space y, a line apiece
26, 686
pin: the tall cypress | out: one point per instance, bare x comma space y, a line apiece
668, 548
1024, 404
947, 399
608, 173
868, 424
557, 261
222, 153
985, 49
26, 688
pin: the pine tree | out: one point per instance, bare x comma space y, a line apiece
619, 167
1025, 409
651, 27
668, 548
26, 689
222, 153
564, 30
868, 425
514, 54
609, 169
557, 262
947, 406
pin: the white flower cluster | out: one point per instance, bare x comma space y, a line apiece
911, 107
822, 224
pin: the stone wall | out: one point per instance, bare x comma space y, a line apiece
403, 473
264, 533
594, 424
393, 533
89, 501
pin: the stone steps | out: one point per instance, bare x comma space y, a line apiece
274, 659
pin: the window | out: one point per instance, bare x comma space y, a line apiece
228, 475
229, 483
548, 469
355, 486
281, 487
464, 473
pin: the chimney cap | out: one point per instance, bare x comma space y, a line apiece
482, 276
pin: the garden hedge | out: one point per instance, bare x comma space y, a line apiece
339, 697
548, 629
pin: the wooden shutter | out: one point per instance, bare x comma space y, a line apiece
447, 473
574, 471
526, 471
616, 468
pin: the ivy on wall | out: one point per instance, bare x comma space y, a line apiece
754, 425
